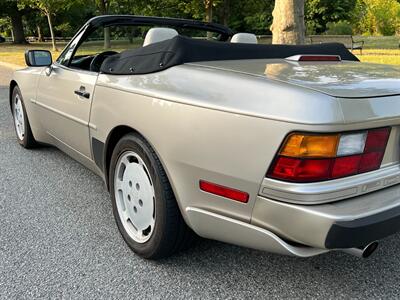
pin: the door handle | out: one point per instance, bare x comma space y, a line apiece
82, 93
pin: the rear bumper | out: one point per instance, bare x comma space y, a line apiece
345, 224
362, 231
217, 227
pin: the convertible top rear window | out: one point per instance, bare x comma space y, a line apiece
179, 50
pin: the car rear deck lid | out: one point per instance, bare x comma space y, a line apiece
344, 79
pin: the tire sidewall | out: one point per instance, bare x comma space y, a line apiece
17, 91
133, 143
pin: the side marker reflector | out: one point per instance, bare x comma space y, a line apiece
224, 191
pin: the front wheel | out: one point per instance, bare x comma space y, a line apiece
21, 122
144, 204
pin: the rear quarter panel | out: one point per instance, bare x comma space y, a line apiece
208, 125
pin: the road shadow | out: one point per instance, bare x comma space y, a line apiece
334, 273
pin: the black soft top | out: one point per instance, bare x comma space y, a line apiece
179, 50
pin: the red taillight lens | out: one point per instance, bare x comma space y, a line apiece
302, 169
370, 161
224, 191
374, 149
346, 166
376, 140
356, 153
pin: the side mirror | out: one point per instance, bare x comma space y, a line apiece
38, 58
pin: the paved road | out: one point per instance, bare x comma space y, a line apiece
58, 240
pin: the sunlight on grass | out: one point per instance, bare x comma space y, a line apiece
18, 58
381, 59
380, 56
14, 54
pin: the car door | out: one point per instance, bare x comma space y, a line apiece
65, 96
65, 91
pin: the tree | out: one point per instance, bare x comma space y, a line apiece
377, 17
209, 10
104, 7
288, 22
318, 13
9, 8
246, 16
48, 8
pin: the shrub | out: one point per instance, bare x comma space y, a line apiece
377, 17
339, 28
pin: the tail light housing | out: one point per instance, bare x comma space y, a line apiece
305, 157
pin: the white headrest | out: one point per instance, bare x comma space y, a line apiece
155, 35
244, 38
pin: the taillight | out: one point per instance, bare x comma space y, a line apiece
317, 157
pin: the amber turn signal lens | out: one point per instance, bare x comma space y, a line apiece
298, 145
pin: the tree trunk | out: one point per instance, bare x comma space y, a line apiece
288, 24
107, 43
53, 38
103, 6
209, 10
17, 28
226, 12
209, 15
39, 34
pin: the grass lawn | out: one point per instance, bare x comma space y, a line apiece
379, 42
381, 59
384, 50
381, 56
14, 54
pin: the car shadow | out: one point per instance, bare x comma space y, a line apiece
337, 271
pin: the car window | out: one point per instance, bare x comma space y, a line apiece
66, 55
115, 38
106, 41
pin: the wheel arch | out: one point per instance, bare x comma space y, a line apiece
112, 139
13, 84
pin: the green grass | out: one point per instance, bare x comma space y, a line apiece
14, 54
379, 42
381, 59
380, 56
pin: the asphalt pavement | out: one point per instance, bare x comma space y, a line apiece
58, 239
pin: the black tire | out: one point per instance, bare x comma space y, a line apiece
170, 234
28, 140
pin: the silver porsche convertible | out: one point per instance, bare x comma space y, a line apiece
199, 131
